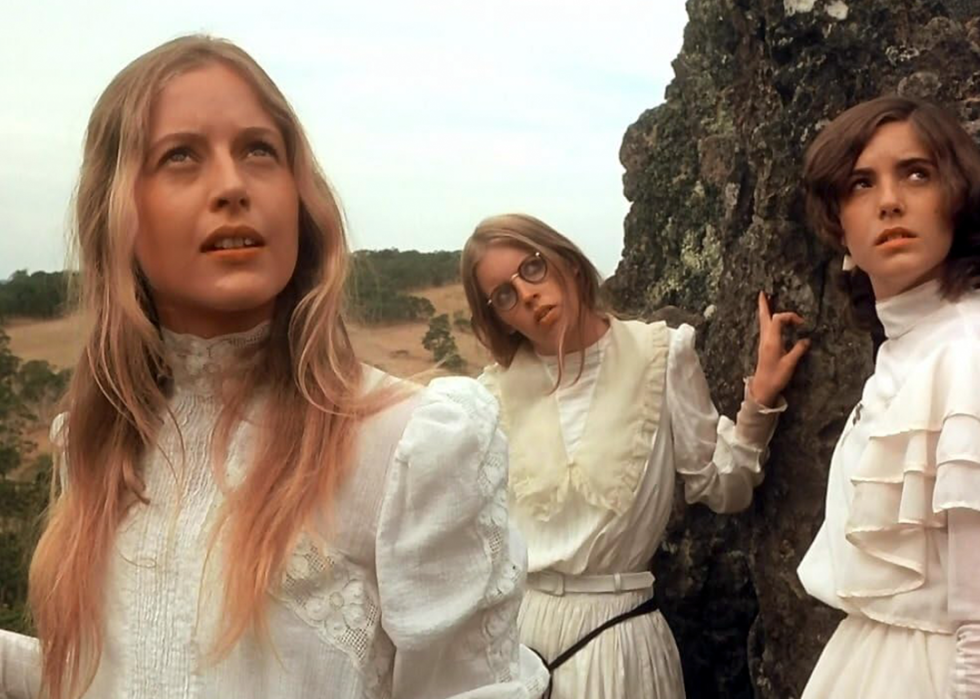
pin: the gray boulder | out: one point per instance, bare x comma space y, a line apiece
713, 175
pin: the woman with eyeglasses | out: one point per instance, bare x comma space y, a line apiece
600, 413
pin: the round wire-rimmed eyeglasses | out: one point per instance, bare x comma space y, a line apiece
533, 269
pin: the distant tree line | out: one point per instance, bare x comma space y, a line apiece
377, 286
34, 295
407, 269
379, 280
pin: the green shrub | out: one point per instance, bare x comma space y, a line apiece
439, 340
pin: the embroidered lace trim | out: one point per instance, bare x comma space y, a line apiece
501, 599
197, 363
338, 601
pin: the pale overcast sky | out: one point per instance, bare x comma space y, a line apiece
427, 115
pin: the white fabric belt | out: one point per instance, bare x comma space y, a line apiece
558, 583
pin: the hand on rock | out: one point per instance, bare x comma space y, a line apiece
775, 365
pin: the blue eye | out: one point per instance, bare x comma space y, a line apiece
504, 297
263, 148
180, 154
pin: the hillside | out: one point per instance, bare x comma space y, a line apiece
396, 347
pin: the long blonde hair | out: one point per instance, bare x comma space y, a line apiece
117, 400
534, 235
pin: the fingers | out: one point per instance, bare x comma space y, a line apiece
792, 358
781, 319
764, 314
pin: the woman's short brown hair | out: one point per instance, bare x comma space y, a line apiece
830, 161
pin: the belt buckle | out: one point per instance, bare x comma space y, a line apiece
551, 582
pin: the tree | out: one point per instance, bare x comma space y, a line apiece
21, 505
406, 269
40, 387
14, 415
439, 340
377, 301
34, 295
462, 321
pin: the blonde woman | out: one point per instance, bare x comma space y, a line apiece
600, 414
244, 509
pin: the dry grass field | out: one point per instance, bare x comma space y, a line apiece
394, 348
55, 341
398, 348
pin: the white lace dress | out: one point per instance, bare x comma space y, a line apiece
415, 597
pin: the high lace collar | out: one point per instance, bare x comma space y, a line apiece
199, 363
902, 312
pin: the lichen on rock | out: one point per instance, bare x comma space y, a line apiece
713, 177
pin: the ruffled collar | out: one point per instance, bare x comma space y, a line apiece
626, 402
198, 364
902, 312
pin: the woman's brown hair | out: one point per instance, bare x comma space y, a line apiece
830, 162
531, 234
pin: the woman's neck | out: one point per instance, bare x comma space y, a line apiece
578, 338
208, 324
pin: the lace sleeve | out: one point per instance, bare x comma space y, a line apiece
20, 666
450, 567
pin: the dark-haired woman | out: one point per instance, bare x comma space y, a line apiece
600, 415
894, 183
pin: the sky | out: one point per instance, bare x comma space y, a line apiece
426, 115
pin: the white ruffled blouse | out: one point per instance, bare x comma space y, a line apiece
415, 595
905, 471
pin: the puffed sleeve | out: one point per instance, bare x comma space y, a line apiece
450, 567
20, 666
719, 460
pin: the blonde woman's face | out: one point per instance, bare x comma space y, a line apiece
217, 203
540, 310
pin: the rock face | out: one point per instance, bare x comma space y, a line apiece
962, 10
713, 176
